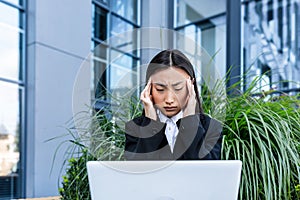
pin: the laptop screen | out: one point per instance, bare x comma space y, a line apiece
152, 180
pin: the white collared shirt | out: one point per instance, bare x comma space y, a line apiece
171, 128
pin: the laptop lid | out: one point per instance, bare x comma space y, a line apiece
164, 180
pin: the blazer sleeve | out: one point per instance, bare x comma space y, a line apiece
212, 142
143, 137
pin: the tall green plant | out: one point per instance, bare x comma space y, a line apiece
264, 134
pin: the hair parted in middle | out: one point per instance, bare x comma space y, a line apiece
174, 58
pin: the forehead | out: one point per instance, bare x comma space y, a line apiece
170, 74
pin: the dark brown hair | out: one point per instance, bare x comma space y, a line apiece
174, 58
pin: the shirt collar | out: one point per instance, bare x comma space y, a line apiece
163, 118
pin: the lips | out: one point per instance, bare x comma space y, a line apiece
170, 109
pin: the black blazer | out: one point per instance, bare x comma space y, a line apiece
199, 137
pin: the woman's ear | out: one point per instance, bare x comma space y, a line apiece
193, 80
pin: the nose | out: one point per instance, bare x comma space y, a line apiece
170, 97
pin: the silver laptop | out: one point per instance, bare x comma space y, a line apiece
164, 180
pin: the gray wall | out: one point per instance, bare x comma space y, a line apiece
58, 39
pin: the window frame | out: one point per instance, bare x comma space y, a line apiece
110, 14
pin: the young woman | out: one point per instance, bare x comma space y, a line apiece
173, 125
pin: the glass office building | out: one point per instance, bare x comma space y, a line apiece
40, 55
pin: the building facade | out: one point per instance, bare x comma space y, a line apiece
45, 44
271, 43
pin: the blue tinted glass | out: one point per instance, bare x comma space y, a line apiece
127, 9
10, 53
99, 79
16, 2
100, 23
105, 2
122, 35
191, 11
123, 75
10, 16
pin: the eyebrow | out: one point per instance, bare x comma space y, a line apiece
164, 85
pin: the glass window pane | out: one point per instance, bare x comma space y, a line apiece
122, 36
123, 75
100, 54
127, 9
10, 53
212, 39
16, 2
100, 51
100, 23
105, 2
9, 137
10, 16
190, 10
99, 84
190, 42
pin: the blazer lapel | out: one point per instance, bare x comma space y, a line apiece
190, 131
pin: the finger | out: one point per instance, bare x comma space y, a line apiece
149, 85
186, 102
192, 89
151, 99
143, 94
189, 87
188, 95
146, 88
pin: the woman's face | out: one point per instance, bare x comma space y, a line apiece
169, 90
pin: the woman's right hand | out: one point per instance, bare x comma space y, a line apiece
146, 99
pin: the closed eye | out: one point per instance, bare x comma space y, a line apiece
178, 89
159, 89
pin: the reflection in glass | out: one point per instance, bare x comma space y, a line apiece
270, 42
10, 16
100, 54
212, 38
123, 74
190, 11
115, 60
99, 82
191, 41
105, 2
99, 23
16, 2
99, 50
127, 9
10, 103
11, 53
126, 41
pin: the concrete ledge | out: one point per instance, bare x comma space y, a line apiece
44, 198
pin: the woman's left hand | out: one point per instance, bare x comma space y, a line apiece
191, 99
